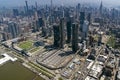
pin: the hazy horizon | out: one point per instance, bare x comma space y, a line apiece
7, 3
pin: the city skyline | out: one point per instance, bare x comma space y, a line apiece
59, 40
109, 3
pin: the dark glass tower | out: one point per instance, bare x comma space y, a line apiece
15, 12
41, 22
89, 18
13, 29
27, 10
101, 9
62, 32
69, 25
56, 31
82, 18
74, 37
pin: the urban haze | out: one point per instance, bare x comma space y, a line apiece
59, 40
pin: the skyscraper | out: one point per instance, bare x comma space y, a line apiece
69, 25
62, 32
56, 31
13, 28
78, 10
82, 18
79, 6
41, 22
85, 30
74, 37
27, 9
51, 7
101, 9
36, 16
15, 12
91, 40
4, 36
51, 13
89, 18
99, 38
36, 6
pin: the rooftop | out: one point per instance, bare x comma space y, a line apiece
6, 58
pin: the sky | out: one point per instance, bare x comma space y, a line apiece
12, 3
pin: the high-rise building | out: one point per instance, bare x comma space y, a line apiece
85, 30
41, 22
15, 12
14, 29
51, 5
35, 26
36, 6
78, 10
62, 41
26, 7
74, 37
69, 26
51, 12
79, 6
82, 18
91, 40
4, 36
89, 18
100, 38
36, 16
84, 45
101, 9
56, 31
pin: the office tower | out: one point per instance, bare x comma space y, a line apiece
91, 40
82, 18
84, 45
69, 25
51, 18
35, 26
36, 6
41, 22
4, 36
51, 7
69, 28
114, 13
99, 38
89, 18
85, 30
51, 4
78, 10
67, 14
74, 37
97, 20
15, 12
56, 31
27, 9
87, 42
101, 9
62, 33
79, 6
36, 16
55, 15
13, 28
